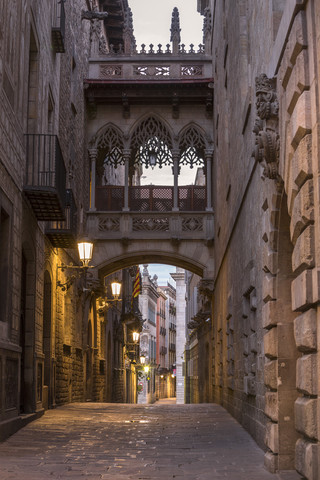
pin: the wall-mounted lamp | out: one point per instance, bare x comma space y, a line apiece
115, 290
85, 249
135, 336
146, 368
142, 359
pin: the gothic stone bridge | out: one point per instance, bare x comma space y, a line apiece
150, 105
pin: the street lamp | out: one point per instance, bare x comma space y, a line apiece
85, 249
142, 359
116, 289
135, 336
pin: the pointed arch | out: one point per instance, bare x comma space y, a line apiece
151, 134
109, 142
192, 145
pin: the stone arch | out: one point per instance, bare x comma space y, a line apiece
109, 143
151, 133
192, 144
129, 259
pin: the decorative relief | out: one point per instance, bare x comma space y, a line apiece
152, 70
109, 224
192, 224
110, 71
191, 71
267, 141
150, 224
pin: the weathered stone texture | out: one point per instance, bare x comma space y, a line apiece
307, 374
305, 410
305, 331
307, 455
303, 210
303, 253
301, 289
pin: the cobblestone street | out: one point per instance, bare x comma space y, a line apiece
113, 441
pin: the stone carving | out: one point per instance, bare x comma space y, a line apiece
109, 71
192, 147
152, 137
267, 141
191, 71
192, 224
109, 224
207, 26
175, 27
150, 224
206, 287
128, 36
93, 15
152, 70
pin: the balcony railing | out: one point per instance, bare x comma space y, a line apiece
62, 233
45, 181
58, 27
191, 198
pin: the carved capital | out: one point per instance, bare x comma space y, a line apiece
93, 153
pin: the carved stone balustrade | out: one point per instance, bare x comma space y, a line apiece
188, 65
151, 225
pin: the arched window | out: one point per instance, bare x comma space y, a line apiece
192, 146
110, 154
151, 140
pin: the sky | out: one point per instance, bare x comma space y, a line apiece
152, 22
163, 273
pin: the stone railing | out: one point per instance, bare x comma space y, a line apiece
111, 68
174, 225
158, 50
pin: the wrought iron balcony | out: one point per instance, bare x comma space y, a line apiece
45, 181
63, 233
191, 198
58, 27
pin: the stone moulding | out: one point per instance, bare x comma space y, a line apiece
267, 140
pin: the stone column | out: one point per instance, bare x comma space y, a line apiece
126, 156
208, 158
179, 278
176, 157
93, 153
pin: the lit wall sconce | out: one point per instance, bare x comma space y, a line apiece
135, 336
146, 368
142, 359
85, 249
115, 290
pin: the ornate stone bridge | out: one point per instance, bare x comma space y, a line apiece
150, 107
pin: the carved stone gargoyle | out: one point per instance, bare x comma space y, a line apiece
267, 141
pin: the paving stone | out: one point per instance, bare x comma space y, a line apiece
123, 442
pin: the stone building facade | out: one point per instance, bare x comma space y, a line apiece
265, 366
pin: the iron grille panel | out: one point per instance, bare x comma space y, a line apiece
192, 199
110, 198
151, 199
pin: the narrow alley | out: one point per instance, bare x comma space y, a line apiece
122, 442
